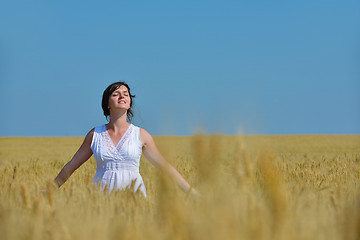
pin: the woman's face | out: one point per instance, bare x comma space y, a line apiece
120, 99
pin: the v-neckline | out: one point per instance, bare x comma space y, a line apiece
122, 137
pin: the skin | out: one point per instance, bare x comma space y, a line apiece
119, 103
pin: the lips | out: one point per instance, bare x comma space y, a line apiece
121, 101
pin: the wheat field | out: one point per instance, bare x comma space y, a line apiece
252, 187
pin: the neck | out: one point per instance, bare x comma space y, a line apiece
118, 120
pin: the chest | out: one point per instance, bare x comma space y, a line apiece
124, 148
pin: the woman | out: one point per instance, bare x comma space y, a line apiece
117, 147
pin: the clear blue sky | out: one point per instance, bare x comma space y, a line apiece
255, 67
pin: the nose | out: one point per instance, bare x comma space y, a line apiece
121, 96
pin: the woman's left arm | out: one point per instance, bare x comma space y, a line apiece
154, 156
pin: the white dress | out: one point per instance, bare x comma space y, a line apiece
118, 166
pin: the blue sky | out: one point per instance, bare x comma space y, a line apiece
251, 67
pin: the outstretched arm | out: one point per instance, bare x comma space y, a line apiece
81, 156
154, 156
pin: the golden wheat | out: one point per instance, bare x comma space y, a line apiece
252, 187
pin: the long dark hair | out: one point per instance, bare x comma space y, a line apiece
105, 99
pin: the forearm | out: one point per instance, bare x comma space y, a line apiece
180, 180
64, 174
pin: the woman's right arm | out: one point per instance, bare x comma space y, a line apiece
81, 156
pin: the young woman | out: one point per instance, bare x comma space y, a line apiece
117, 147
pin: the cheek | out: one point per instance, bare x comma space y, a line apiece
110, 102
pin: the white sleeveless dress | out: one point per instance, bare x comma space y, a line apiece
118, 166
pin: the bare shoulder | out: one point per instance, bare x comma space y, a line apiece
89, 136
90, 133
145, 137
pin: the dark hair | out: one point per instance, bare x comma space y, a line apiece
105, 99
